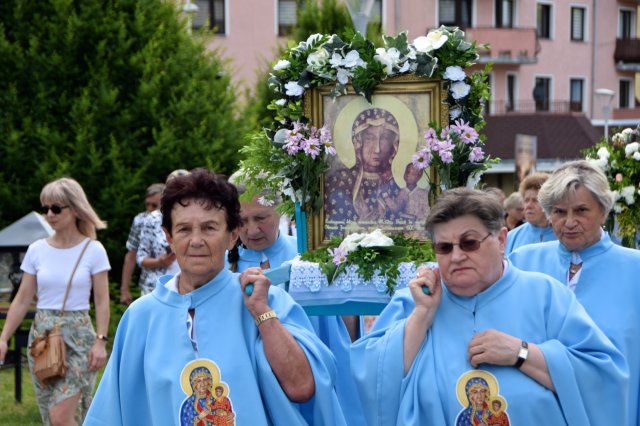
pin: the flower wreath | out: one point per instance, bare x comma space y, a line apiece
289, 158
619, 159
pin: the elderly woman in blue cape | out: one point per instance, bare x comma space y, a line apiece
260, 346
604, 276
478, 316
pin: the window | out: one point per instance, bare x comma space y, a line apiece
624, 94
455, 13
576, 96
504, 13
626, 24
544, 20
577, 23
210, 14
287, 16
542, 93
511, 93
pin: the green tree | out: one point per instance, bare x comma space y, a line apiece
113, 93
316, 16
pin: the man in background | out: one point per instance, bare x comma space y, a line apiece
151, 203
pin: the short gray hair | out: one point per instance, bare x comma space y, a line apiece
459, 202
513, 201
564, 182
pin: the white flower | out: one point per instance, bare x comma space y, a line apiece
454, 113
343, 76
313, 38
281, 102
628, 193
281, 65
473, 180
376, 239
350, 242
636, 156
353, 60
627, 134
617, 208
617, 138
336, 60
388, 58
460, 89
433, 41
629, 149
405, 67
454, 73
319, 58
603, 153
601, 163
616, 195
266, 202
294, 89
412, 53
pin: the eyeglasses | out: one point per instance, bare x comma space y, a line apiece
467, 245
55, 209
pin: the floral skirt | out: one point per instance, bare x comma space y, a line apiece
79, 337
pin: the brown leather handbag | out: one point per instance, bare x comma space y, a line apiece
48, 350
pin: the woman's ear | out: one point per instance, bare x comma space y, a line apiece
502, 238
168, 235
233, 239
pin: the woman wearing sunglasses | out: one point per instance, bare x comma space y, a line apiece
604, 276
48, 265
477, 329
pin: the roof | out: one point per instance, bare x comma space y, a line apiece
560, 136
25, 230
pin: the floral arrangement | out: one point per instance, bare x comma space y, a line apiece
619, 159
370, 252
456, 152
327, 59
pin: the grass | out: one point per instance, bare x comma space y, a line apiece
14, 413
25, 413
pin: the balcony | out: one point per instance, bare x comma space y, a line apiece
627, 54
517, 46
501, 107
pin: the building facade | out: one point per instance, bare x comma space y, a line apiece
556, 63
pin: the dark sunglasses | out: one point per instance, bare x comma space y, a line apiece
56, 209
466, 245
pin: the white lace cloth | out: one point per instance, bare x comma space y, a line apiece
310, 287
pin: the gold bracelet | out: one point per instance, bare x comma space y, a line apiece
267, 315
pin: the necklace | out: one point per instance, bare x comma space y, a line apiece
573, 269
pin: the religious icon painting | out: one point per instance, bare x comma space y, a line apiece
207, 402
371, 182
478, 393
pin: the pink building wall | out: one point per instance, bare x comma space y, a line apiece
251, 42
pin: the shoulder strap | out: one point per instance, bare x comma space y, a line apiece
64, 302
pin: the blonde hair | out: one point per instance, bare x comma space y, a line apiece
68, 191
534, 181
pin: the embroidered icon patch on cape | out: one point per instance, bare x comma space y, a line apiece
207, 402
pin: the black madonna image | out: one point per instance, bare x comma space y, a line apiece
371, 182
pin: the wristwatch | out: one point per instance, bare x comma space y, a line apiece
102, 337
523, 353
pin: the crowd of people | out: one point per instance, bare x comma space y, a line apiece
529, 316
